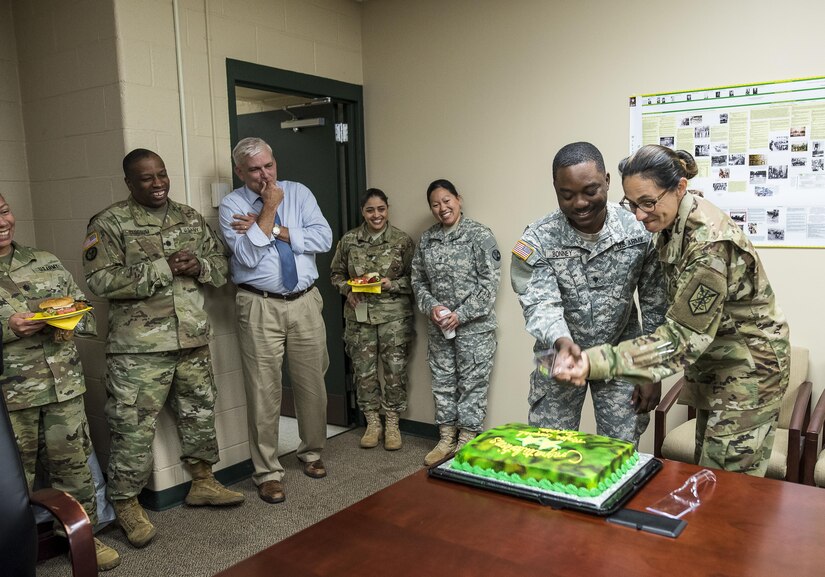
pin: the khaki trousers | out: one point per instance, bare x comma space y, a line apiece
270, 327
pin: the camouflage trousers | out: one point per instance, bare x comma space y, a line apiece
138, 386
738, 441
559, 406
461, 370
58, 435
389, 342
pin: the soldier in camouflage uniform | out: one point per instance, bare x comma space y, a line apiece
723, 326
377, 324
455, 276
42, 381
150, 257
575, 272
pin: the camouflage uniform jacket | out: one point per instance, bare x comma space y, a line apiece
38, 370
124, 259
389, 255
723, 326
460, 270
567, 289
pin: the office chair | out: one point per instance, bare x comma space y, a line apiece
813, 462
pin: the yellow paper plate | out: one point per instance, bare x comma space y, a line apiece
373, 287
68, 321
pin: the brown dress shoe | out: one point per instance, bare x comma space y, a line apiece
271, 492
315, 469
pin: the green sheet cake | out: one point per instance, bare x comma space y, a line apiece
568, 462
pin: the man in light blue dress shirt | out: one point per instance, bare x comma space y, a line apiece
274, 229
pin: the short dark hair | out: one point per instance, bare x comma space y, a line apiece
442, 183
371, 192
134, 157
577, 153
660, 164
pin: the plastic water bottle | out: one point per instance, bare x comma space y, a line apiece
448, 333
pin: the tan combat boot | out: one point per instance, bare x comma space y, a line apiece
373, 432
444, 447
206, 490
107, 558
464, 437
134, 521
392, 436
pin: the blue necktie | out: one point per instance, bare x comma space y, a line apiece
289, 271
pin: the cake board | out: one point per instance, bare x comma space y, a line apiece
605, 504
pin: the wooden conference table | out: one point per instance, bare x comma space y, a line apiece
430, 527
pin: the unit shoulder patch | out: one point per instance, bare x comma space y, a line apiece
697, 302
702, 299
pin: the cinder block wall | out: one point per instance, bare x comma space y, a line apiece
99, 78
14, 170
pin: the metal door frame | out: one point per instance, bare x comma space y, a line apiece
348, 103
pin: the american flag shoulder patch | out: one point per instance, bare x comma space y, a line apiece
523, 250
90, 241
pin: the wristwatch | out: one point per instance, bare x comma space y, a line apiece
276, 231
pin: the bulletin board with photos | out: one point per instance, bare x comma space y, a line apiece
760, 149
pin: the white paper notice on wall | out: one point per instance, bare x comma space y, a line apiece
760, 149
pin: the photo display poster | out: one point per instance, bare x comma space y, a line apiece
760, 150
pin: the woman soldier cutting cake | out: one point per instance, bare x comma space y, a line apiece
455, 276
378, 325
722, 327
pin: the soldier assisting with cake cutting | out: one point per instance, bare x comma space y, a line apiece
722, 327
151, 257
575, 272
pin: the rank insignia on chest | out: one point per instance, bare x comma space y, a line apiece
702, 299
522, 250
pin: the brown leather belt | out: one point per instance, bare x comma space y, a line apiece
269, 295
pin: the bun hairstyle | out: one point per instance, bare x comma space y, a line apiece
373, 192
441, 183
660, 164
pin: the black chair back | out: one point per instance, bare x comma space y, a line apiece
18, 533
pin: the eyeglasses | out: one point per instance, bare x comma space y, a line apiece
646, 206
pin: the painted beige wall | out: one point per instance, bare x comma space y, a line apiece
70, 106
484, 93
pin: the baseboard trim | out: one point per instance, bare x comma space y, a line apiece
418, 429
174, 496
